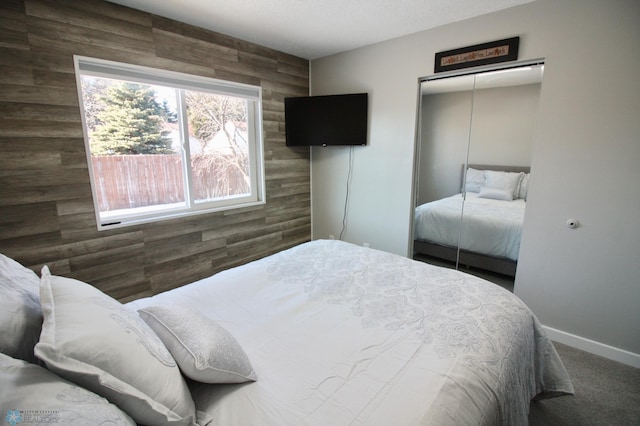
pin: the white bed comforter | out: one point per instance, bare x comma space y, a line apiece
344, 335
491, 227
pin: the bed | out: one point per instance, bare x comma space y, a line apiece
326, 332
484, 221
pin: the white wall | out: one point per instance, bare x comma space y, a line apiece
503, 125
443, 144
583, 284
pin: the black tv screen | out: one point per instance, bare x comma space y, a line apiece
326, 120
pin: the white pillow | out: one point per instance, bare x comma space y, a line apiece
509, 181
20, 313
31, 394
205, 351
94, 341
495, 193
524, 186
474, 180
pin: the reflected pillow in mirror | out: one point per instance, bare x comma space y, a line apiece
474, 180
495, 194
524, 187
508, 181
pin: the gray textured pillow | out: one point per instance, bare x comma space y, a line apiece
20, 313
94, 341
204, 350
33, 395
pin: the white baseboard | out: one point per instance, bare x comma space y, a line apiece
596, 348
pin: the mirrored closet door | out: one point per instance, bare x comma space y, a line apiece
475, 132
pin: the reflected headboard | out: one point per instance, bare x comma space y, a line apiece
516, 169
497, 168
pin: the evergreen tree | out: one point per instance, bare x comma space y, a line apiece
130, 122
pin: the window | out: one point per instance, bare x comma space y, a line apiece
162, 144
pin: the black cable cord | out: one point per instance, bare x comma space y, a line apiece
346, 198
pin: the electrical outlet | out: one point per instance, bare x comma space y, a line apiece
365, 244
332, 237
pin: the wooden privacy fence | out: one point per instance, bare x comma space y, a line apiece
130, 181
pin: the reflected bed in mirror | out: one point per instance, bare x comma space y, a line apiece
487, 228
484, 119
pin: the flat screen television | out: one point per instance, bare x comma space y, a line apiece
326, 120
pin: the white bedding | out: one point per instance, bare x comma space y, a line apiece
345, 335
491, 227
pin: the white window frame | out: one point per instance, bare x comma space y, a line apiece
85, 66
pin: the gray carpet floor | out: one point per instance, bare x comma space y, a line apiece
607, 393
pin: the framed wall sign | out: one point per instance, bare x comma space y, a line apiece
479, 54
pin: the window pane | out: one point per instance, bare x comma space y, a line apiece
134, 140
163, 144
219, 145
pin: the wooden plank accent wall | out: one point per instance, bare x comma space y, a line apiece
46, 210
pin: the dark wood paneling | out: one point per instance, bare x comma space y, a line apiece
46, 211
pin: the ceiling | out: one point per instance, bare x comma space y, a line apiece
313, 29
